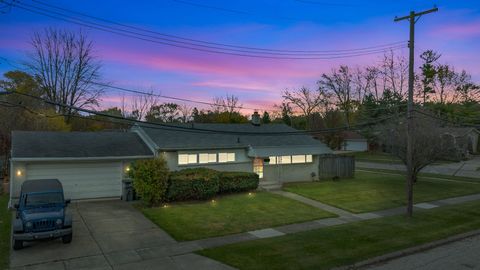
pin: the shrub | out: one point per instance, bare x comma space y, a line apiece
150, 180
237, 181
193, 184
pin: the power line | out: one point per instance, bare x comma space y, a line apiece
325, 3
213, 49
201, 130
214, 43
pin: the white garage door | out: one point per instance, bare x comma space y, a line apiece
82, 180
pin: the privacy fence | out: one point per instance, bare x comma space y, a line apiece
332, 166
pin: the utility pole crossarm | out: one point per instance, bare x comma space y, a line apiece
415, 14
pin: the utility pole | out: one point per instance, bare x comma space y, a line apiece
413, 18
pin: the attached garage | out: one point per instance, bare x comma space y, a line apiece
82, 180
90, 165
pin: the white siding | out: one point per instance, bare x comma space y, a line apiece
80, 180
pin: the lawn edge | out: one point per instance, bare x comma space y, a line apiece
408, 251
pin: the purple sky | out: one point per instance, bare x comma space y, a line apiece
287, 24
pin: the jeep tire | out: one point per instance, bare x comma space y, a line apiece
66, 239
17, 244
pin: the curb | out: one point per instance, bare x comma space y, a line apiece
408, 251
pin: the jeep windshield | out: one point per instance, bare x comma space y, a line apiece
43, 199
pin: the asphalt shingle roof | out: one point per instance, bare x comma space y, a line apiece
178, 139
45, 144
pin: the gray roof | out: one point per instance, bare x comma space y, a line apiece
172, 139
459, 131
46, 144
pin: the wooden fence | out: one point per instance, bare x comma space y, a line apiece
333, 166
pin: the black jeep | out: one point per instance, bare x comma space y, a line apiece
41, 213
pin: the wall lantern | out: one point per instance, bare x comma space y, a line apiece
19, 173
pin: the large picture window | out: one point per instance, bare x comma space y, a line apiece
187, 159
294, 159
204, 158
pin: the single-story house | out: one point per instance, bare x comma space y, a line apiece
354, 141
94, 164
465, 139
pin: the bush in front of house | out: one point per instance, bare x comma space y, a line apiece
150, 180
193, 184
237, 181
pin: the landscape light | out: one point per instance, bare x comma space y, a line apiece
165, 205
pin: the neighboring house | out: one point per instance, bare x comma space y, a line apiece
354, 141
464, 140
93, 164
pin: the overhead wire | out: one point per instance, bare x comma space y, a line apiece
207, 48
214, 43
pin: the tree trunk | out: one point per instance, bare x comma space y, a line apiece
409, 189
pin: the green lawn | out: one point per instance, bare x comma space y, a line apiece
231, 214
378, 157
349, 243
370, 191
5, 221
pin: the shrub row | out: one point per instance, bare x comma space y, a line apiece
154, 183
202, 183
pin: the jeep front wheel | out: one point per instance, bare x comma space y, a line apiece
67, 238
17, 244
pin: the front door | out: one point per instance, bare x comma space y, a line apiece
258, 167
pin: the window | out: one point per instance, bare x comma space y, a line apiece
207, 158
285, 160
187, 159
298, 159
295, 159
273, 160
226, 157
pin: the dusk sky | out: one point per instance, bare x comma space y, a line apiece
454, 31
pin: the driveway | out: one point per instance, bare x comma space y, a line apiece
111, 235
461, 255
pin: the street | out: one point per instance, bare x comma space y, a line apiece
464, 254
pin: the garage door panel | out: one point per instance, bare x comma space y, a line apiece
82, 180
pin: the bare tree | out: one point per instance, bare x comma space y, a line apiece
394, 72
427, 144
445, 84
140, 105
306, 100
67, 69
229, 103
340, 85
164, 113
185, 113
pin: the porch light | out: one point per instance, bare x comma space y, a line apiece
127, 169
19, 173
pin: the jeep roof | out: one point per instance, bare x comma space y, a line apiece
42, 185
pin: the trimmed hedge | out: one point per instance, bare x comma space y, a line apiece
150, 180
237, 181
193, 184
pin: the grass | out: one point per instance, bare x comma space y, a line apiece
349, 243
377, 157
371, 191
5, 223
231, 214
427, 175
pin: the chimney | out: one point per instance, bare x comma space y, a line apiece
256, 119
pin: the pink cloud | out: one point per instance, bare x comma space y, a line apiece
462, 30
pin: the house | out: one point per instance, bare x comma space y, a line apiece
354, 141
94, 164
465, 140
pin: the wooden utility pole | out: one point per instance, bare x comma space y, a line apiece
413, 18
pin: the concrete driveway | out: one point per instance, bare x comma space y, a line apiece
111, 235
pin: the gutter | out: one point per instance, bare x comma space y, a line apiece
21, 159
